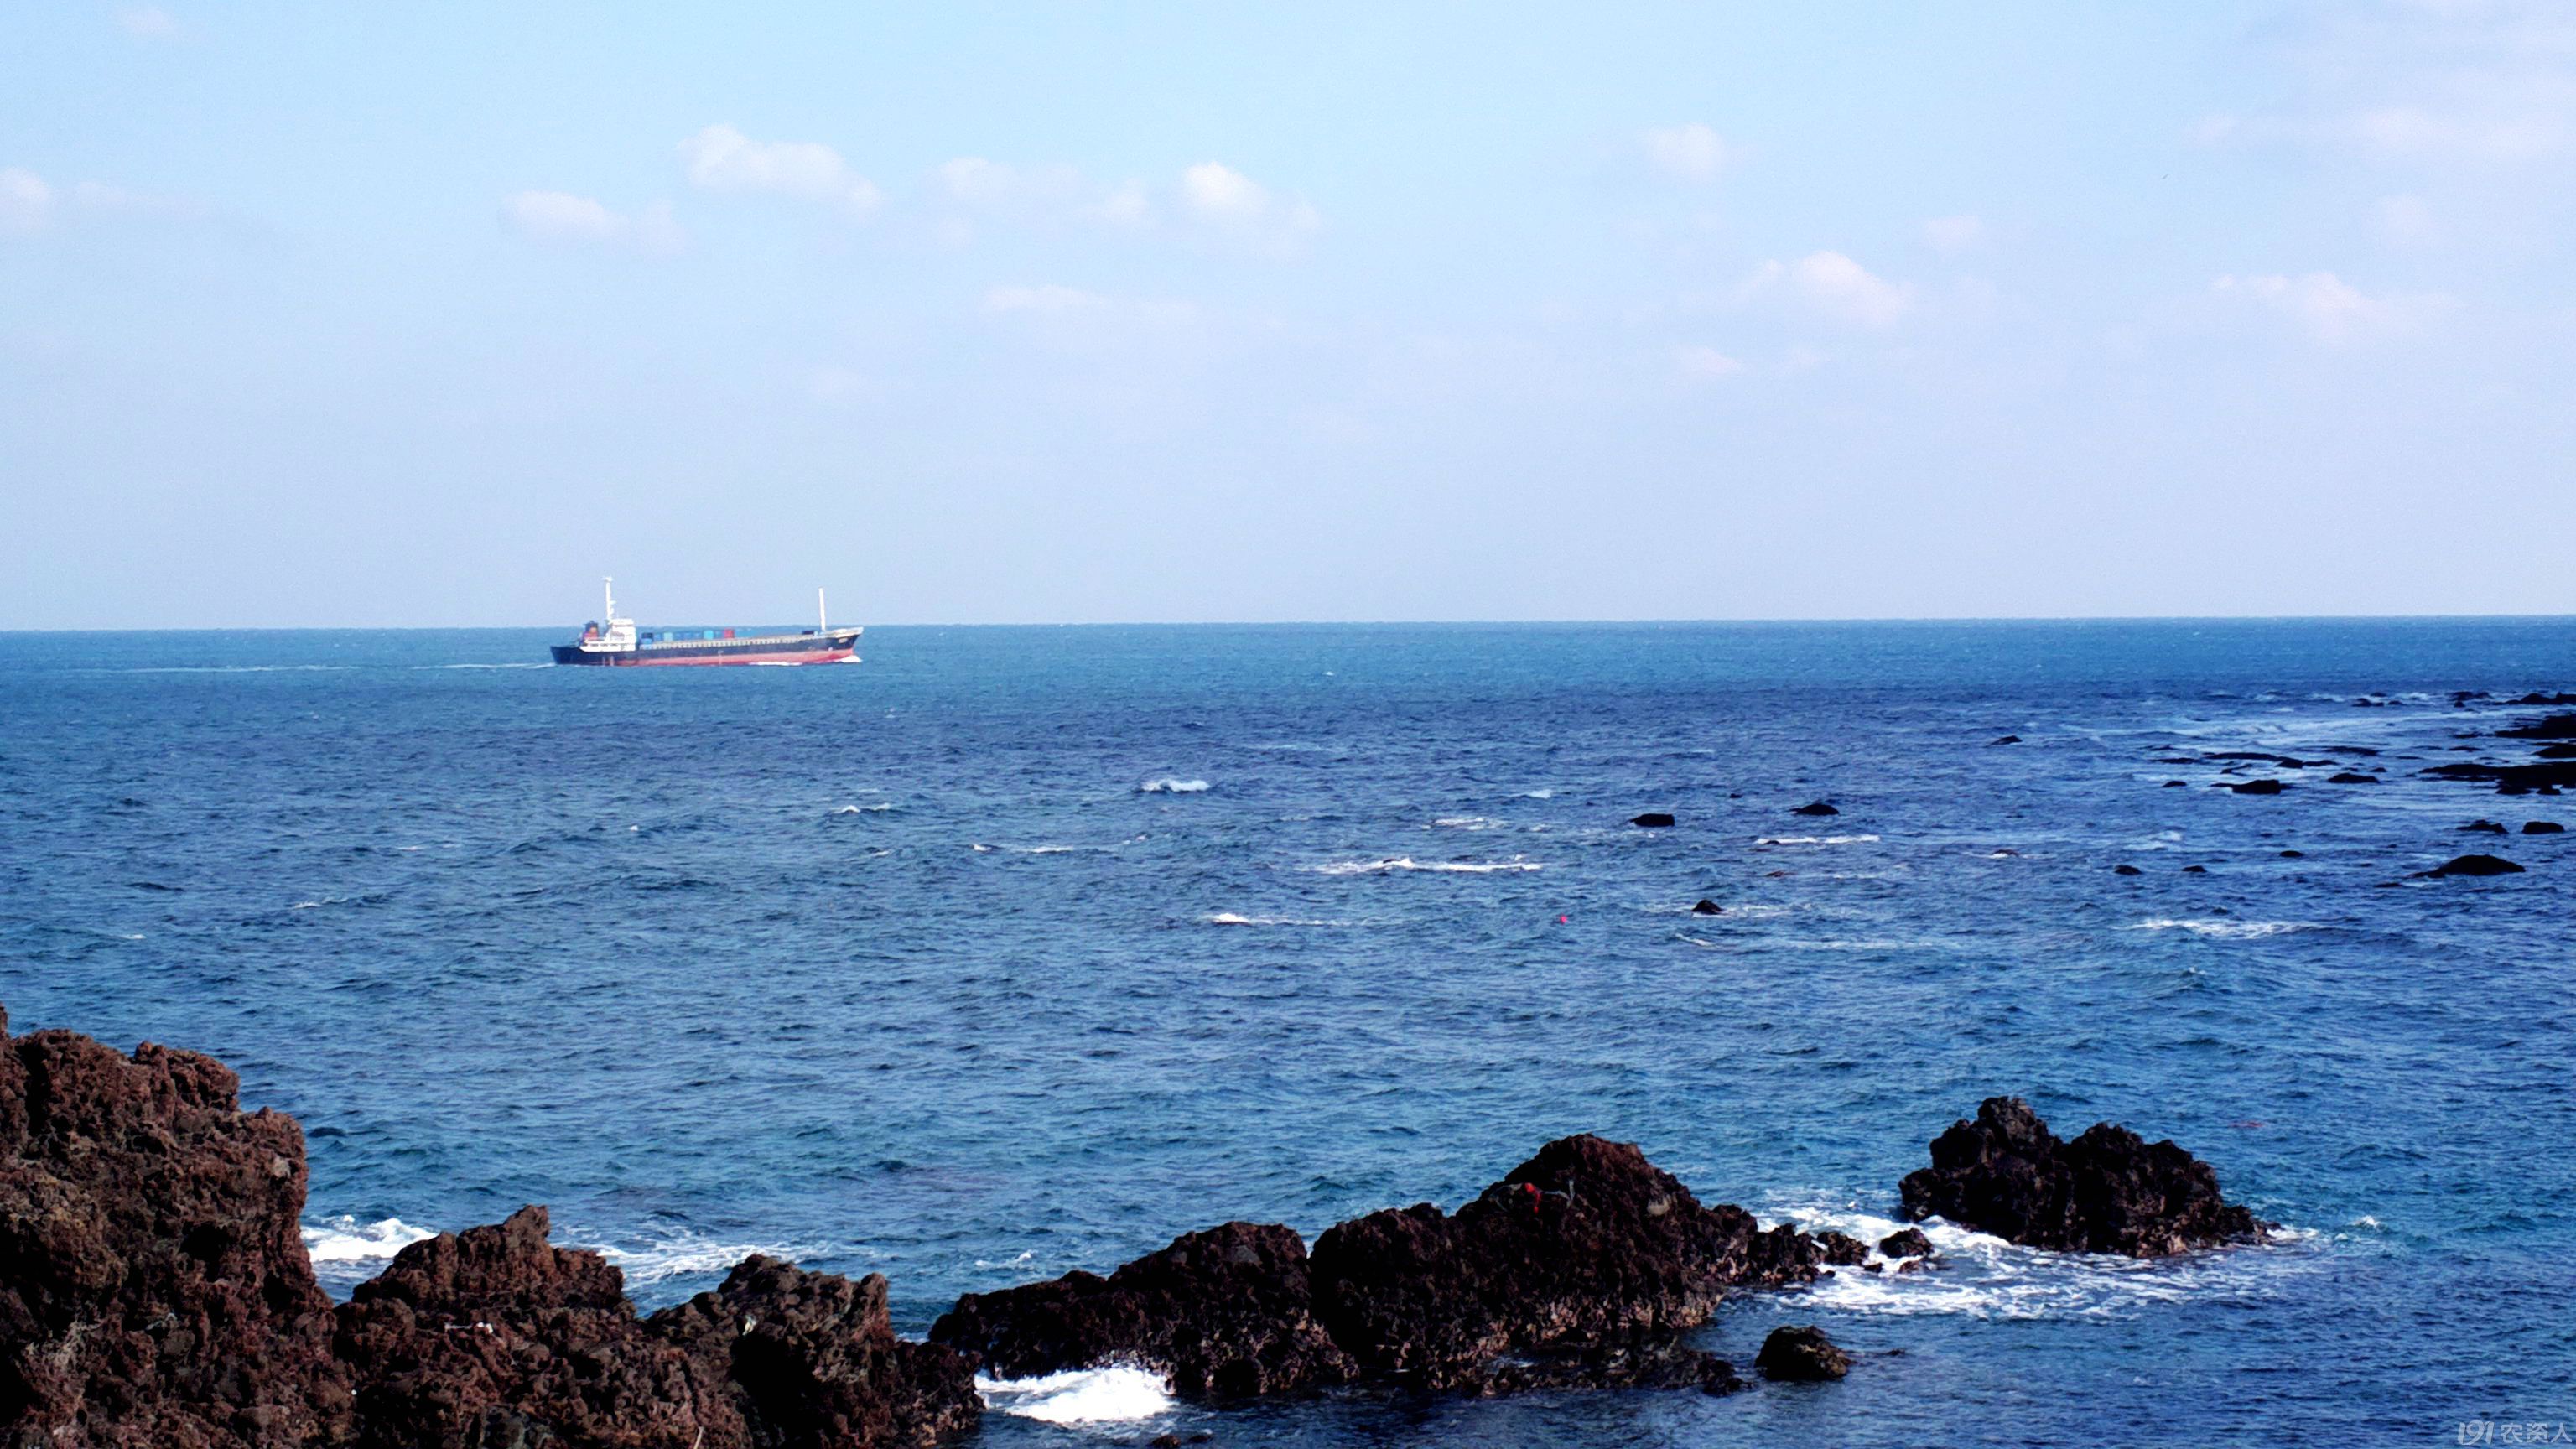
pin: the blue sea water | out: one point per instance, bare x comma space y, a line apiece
1012, 951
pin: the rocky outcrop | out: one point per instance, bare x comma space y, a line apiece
2543, 827
2259, 787
1905, 1243
1801, 1355
2555, 727
2351, 777
154, 1290
1581, 1269
1582, 1250
1816, 807
1707, 907
1225, 1313
2473, 865
153, 1282
2108, 1191
1653, 820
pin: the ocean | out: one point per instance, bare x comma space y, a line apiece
1011, 951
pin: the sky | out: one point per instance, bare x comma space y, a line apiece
320, 314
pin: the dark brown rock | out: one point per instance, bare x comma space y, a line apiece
1708, 908
1801, 1355
2108, 1191
1228, 1312
1904, 1243
2475, 865
154, 1288
1583, 1251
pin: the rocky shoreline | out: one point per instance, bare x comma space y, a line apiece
155, 1290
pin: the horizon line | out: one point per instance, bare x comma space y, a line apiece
1379, 623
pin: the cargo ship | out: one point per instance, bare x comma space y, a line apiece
618, 642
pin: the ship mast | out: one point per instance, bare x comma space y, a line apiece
608, 596
822, 616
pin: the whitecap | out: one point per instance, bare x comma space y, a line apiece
1538, 794
1117, 1394
1172, 787
344, 1239
1983, 1276
1408, 863
1465, 822
682, 1253
1229, 918
1815, 840
2224, 930
878, 808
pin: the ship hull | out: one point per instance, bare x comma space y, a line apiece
819, 649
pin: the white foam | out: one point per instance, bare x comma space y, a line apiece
1983, 1276
1115, 1395
880, 806
344, 1239
1406, 863
1538, 794
1229, 918
1172, 787
2224, 930
1465, 822
681, 1252
1815, 839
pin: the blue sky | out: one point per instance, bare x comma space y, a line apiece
326, 314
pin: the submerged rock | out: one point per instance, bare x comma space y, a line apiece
2126, 869
1224, 1313
1708, 908
2259, 787
2482, 827
2108, 1191
2475, 865
1653, 820
2351, 777
1801, 1355
2543, 827
1816, 807
2555, 727
2005, 740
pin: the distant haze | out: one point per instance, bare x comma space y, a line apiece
435, 315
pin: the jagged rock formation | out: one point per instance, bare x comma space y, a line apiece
1580, 1268
2108, 1191
1225, 1313
1801, 1355
154, 1291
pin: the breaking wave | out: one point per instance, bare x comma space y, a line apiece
1118, 1394
1172, 787
1408, 863
1229, 918
344, 1239
1983, 1276
1814, 839
2225, 930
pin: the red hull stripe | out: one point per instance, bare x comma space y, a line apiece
819, 656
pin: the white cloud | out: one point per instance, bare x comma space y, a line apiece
1692, 153
147, 22
721, 158
1834, 286
1228, 200
1953, 233
1126, 207
560, 216
26, 202
2330, 308
1705, 364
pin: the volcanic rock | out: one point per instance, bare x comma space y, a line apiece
154, 1287
1225, 1313
1801, 1355
1653, 820
1580, 1251
2259, 787
2351, 777
2482, 827
2126, 869
2108, 1191
1816, 807
1904, 1243
2475, 865
2177, 784
2542, 827
2005, 740
1708, 908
